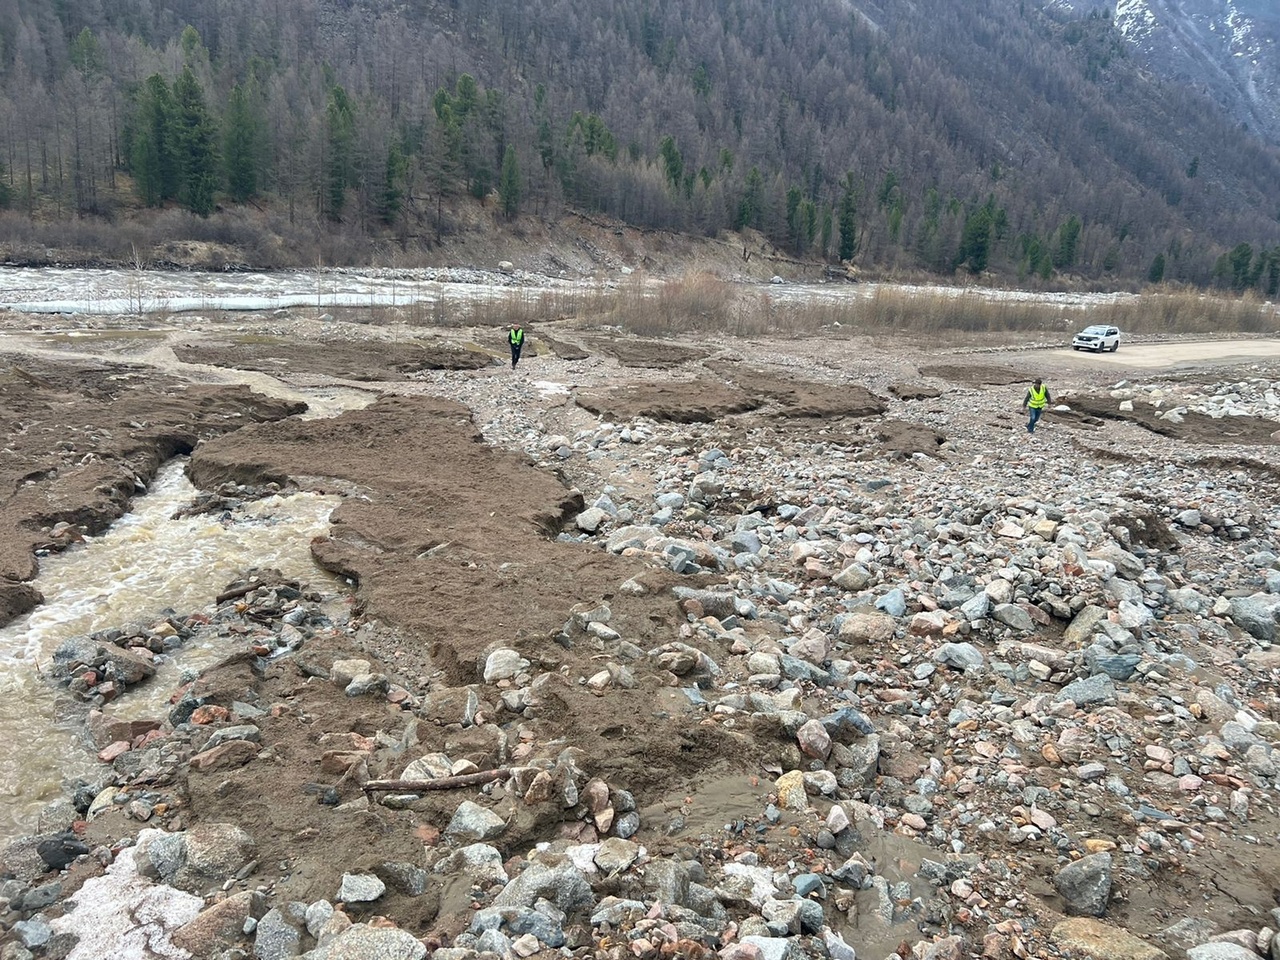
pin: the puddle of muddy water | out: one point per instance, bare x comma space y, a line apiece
142, 565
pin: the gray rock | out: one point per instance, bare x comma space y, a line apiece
362, 942
214, 853
667, 881
852, 577
366, 684
33, 933
1012, 615
859, 762
243, 731
977, 607
1118, 666
847, 723
894, 603
616, 854
717, 603
837, 949
474, 822
40, 897
519, 921
1126, 564
316, 916
276, 937
589, 520
360, 888
1085, 885
407, 878
564, 886
1255, 617
627, 824
783, 916
160, 857
960, 656
1083, 626
503, 664
1188, 518
344, 671
1220, 951
631, 536
1090, 690
478, 860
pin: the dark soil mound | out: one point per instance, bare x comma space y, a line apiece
914, 391
345, 360
648, 353
901, 438
688, 402
801, 398
565, 351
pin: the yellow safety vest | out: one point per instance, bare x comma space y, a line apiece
517, 337
1039, 398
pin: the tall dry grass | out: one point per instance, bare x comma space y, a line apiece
1189, 311
699, 306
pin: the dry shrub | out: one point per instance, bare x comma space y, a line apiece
1188, 311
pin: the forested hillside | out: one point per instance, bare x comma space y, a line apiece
985, 136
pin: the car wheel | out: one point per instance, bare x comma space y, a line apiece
1115, 346
1076, 349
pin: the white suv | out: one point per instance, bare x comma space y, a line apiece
1097, 337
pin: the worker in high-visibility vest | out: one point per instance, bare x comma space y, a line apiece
1035, 401
515, 337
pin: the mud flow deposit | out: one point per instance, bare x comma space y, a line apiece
781, 649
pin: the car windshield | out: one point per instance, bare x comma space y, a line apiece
1094, 331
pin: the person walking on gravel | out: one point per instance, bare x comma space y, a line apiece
515, 337
1034, 402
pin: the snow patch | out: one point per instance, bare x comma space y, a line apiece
127, 917
549, 389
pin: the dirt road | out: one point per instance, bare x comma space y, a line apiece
1187, 353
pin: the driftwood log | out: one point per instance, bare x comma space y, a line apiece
440, 783
240, 591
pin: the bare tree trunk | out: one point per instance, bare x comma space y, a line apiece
440, 783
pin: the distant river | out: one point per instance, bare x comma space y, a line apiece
114, 292
92, 291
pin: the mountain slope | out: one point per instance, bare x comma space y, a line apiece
995, 136
1229, 49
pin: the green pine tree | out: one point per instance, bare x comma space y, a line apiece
510, 185
751, 206
340, 133
1068, 246
672, 161
151, 150
849, 239
195, 139
392, 198
243, 139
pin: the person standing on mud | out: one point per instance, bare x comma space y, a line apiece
1034, 402
515, 337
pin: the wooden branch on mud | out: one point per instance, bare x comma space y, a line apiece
240, 591
32, 379
441, 783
